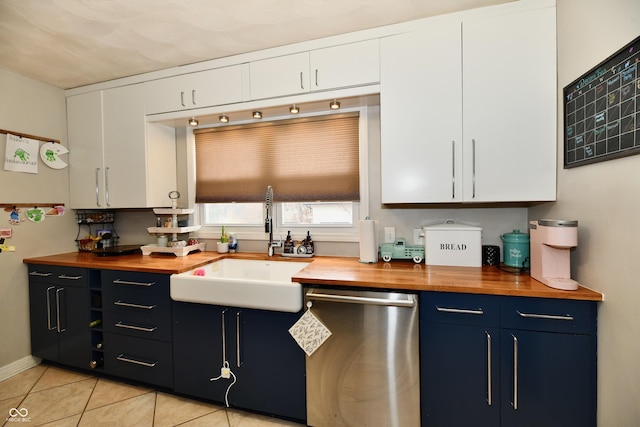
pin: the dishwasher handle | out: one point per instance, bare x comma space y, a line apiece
409, 301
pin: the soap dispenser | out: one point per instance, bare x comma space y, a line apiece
308, 243
288, 244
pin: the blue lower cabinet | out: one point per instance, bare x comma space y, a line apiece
507, 361
265, 362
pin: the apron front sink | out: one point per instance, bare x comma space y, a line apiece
259, 284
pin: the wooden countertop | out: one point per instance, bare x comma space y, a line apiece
343, 271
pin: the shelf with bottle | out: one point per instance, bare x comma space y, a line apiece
96, 230
304, 248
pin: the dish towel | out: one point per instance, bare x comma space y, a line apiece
309, 332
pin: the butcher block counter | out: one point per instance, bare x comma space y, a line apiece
342, 271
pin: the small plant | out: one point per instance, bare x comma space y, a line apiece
224, 236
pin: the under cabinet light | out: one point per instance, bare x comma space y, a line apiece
334, 105
193, 121
257, 114
294, 109
224, 119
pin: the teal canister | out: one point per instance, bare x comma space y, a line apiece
516, 249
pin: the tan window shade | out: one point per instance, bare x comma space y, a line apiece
306, 159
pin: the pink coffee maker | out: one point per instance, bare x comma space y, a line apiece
551, 243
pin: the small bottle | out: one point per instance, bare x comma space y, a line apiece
95, 323
308, 242
96, 363
288, 244
158, 222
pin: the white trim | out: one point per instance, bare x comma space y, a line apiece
18, 366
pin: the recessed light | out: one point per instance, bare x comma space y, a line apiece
257, 114
223, 119
193, 121
294, 109
334, 105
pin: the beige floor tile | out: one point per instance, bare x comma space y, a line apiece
8, 407
244, 419
107, 392
173, 410
59, 402
135, 412
216, 419
65, 422
54, 377
22, 383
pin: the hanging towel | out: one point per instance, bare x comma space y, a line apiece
309, 332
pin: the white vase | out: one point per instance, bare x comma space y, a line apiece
223, 247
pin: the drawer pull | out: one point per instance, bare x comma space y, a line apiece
136, 328
479, 311
64, 276
544, 316
127, 282
127, 359
132, 305
37, 273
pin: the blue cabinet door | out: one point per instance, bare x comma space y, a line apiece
265, 362
548, 379
460, 375
197, 351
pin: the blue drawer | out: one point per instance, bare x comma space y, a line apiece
462, 309
552, 315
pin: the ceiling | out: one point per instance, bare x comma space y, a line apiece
71, 43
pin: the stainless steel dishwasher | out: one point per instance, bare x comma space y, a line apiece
367, 372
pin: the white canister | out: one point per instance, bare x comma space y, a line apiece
163, 240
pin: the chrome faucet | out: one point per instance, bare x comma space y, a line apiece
268, 223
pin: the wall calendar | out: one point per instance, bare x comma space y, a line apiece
602, 110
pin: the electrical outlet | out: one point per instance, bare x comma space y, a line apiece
418, 238
389, 234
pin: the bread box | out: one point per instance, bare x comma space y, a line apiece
453, 244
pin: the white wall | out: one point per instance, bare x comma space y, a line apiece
605, 199
34, 108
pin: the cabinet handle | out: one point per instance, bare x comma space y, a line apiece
136, 328
238, 361
127, 282
132, 305
59, 327
301, 81
478, 311
489, 395
182, 99
37, 273
544, 316
515, 372
98, 187
453, 169
64, 276
49, 308
193, 97
316, 77
128, 359
106, 186
224, 337
473, 167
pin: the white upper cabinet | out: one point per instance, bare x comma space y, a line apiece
219, 86
330, 68
114, 162
509, 109
470, 116
421, 107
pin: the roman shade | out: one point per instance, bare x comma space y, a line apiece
303, 159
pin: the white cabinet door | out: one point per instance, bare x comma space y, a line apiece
347, 65
330, 68
284, 75
509, 80
86, 170
113, 163
197, 90
421, 115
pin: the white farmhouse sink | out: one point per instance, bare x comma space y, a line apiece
246, 283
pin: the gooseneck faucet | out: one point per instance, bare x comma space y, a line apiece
268, 222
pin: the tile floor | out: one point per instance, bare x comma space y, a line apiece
58, 397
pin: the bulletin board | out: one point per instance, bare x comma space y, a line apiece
602, 110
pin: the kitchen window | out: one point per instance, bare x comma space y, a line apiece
312, 163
